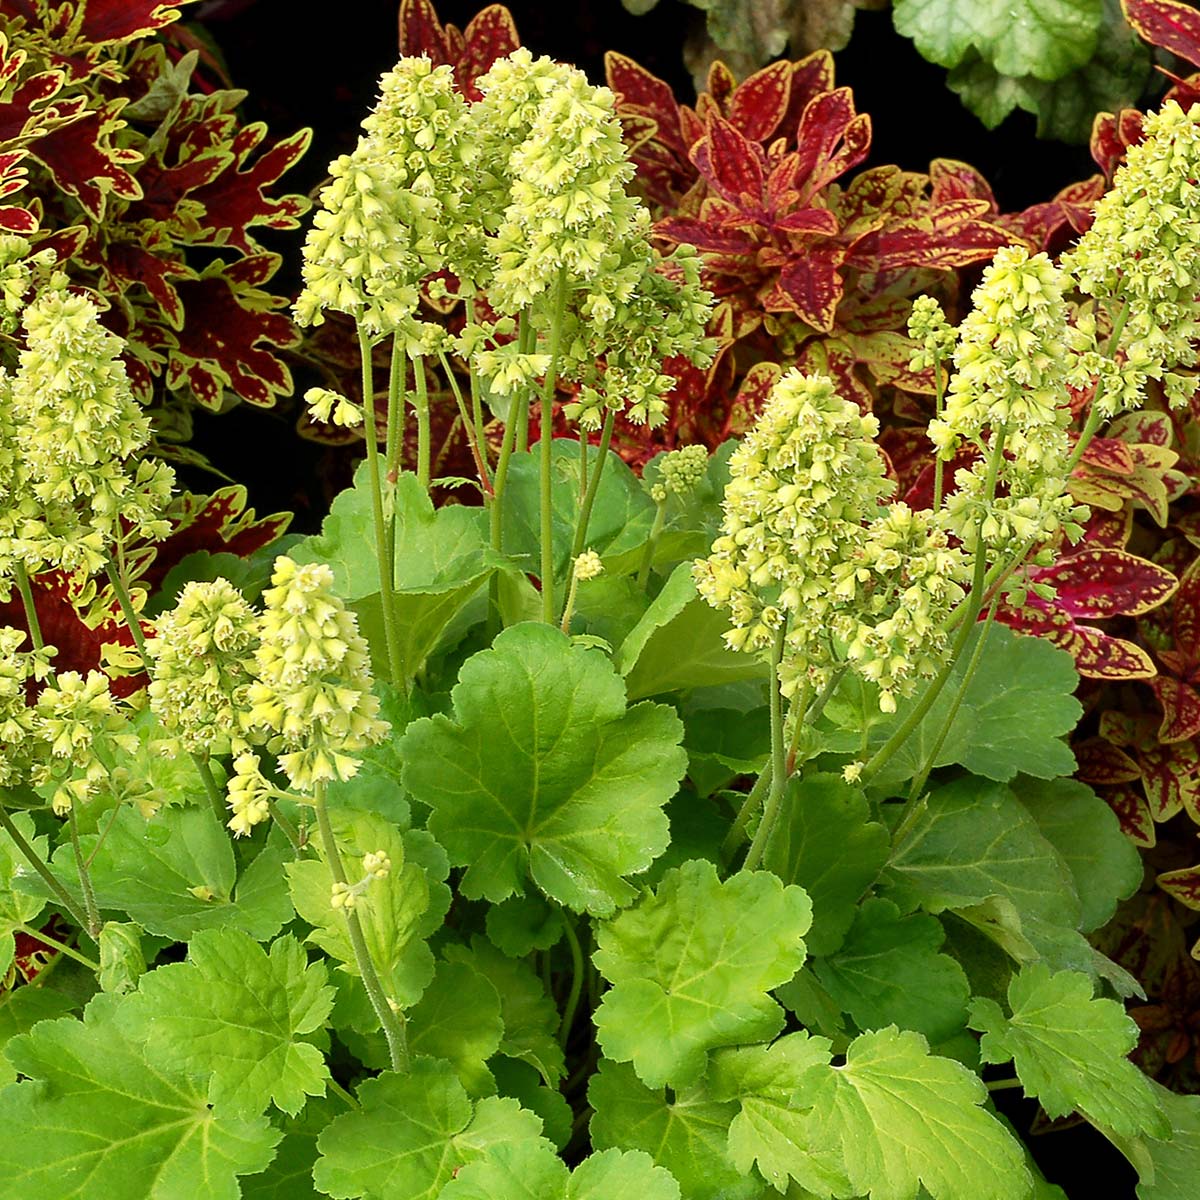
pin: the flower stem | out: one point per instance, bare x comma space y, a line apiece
289, 830
342, 1094
390, 1021
593, 488
127, 610
485, 483
737, 831
385, 568
210, 786
569, 607
660, 519
85, 878
397, 386
421, 404
59, 947
778, 760
31, 856
577, 974
547, 447
518, 413
31, 616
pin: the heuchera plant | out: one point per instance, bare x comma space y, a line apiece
697, 835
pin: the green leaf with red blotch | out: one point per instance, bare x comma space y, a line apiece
954, 234
233, 330
1100, 583
1168, 24
1183, 884
1133, 812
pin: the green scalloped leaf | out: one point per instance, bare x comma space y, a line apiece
889, 971
443, 557
691, 966
96, 1116
412, 1133
233, 1014
543, 774
901, 1118
687, 1134
1069, 1050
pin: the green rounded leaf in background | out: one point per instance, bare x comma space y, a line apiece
542, 773
687, 1134
679, 644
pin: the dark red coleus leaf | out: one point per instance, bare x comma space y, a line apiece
122, 20
490, 35
231, 335
238, 199
86, 163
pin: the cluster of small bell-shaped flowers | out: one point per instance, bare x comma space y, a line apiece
680, 473
934, 335
78, 723
18, 271
567, 202
395, 210
328, 406
376, 864
203, 658
18, 669
249, 794
81, 483
311, 698
640, 312
1009, 401
896, 595
805, 482
1143, 251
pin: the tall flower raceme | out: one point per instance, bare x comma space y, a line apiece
80, 486
1008, 401
203, 658
311, 698
1140, 261
806, 549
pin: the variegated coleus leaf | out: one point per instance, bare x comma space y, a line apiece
232, 332
1175, 635
491, 34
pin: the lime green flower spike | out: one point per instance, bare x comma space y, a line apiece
203, 658
1143, 251
312, 697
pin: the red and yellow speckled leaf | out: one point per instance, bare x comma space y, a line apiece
1164, 768
1097, 654
1134, 814
1109, 454
490, 34
831, 139
809, 220
645, 93
810, 286
1103, 765
1096, 583
1169, 24
760, 102
705, 235
421, 32
18, 118
752, 396
810, 77
1185, 614
733, 166
1183, 884
1181, 709
952, 235
950, 179
832, 356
